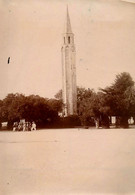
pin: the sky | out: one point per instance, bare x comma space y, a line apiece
31, 35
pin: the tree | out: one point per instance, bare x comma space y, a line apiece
58, 95
55, 104
117, 100
31, 108
120, 98
88, 109
82, 94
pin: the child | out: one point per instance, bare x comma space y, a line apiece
33, 126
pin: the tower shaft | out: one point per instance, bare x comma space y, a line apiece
69, 93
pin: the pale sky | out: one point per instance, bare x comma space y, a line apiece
31, 35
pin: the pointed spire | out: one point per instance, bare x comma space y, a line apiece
68, 25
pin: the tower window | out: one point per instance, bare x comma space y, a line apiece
64, 40
68, 39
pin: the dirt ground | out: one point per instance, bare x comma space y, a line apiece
67, 161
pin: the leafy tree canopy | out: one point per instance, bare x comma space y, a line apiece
17, 106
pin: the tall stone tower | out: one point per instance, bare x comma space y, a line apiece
69, 90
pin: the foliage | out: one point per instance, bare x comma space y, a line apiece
117, 100
70, 121
58, 95
31, 108
55, 104
120, 98
88, 106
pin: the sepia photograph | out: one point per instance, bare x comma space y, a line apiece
67, 97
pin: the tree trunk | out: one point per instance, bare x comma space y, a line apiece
124, 122
105, 123
117, 124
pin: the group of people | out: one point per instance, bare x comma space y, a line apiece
25, 126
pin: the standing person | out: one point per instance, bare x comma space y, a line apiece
19, 126
24, 126
29, 126
33, 128
97, 123
15, 126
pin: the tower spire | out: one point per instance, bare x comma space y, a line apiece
68, 24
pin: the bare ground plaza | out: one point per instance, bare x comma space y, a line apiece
68, 161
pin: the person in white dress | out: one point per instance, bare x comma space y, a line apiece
33, 127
